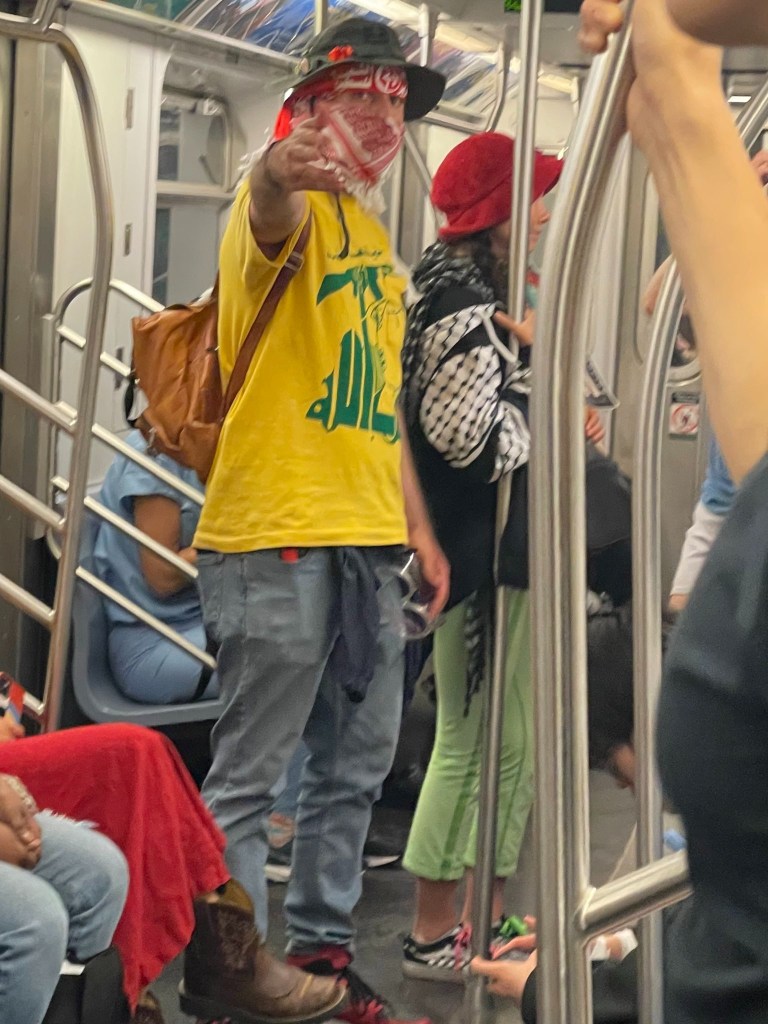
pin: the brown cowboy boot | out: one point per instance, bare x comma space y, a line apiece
229, 973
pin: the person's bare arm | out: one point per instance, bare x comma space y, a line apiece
279, 181
725, 22
160, 518
716, 219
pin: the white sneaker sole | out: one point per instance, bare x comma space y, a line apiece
278, 873
423, 972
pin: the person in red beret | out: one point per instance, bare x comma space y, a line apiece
466, 388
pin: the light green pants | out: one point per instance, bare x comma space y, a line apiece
443, 835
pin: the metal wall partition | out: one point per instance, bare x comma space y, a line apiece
39, 28
570, 910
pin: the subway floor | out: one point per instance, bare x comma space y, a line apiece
384, 914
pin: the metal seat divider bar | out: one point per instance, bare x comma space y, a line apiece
147, 618
558, 558
116, 443
108, 361
39, 29
94, 506
54, 413
26, 602
30, 504
493, 695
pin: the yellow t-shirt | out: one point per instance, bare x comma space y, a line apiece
309, 454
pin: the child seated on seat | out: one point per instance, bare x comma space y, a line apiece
147, 667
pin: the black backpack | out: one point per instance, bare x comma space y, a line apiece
609, 529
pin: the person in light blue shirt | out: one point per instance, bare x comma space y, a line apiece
147, 667
715, 500
718, 490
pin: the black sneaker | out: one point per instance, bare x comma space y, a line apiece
365, 1005
445, 959
378, 853
278, 866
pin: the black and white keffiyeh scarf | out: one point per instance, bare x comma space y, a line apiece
440, 269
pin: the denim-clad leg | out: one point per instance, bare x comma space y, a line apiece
152, 670
70, 904
276, 624
273, 621
352, 747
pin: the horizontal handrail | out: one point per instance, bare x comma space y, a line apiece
94, 506
146, 617
128, 291
54, 413
117, 444
30, 504
633, 895
26, 602
190, 192
109, 362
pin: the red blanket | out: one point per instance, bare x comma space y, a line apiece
132, 784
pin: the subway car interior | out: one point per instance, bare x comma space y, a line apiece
126, 128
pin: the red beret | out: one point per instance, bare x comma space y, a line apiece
473, 185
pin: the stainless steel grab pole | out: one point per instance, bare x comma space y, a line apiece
94, 333
646, 624
558, 539
500, 85
493, 694
321, 16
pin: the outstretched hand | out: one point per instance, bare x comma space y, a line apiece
300, 163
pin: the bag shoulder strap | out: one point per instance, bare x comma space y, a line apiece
288, 271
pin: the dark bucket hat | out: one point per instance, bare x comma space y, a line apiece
360, 41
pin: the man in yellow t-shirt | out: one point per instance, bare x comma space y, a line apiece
312, 495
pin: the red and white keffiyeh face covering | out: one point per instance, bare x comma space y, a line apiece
361, 144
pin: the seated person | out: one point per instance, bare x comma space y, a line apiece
614, 956
132, 783
714, 504
147, 667
62, 891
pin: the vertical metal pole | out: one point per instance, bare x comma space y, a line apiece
321, 16
502, 80
44, 13
427, 27
395, 212
94, 334
558, 541
646, 623
493, 695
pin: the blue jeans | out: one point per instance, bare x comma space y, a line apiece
69, 905
276, 623
287, 802
152, 670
